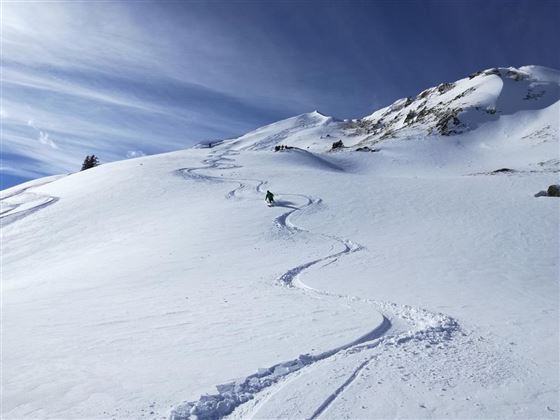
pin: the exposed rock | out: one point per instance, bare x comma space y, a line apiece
466, 92
473, 75
445, 87
493, 71
337, 145
553, 191
515, 75
449, 123
424, 93
410, 117
280, 147
364, 126
425, 111
366, 149
497, 171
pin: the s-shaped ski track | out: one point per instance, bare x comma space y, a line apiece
425, 325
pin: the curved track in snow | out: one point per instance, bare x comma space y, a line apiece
22, 203
423, 325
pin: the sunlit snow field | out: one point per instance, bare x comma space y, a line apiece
413, 282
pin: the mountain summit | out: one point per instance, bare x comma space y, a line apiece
464, 105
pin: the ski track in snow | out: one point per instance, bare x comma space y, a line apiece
423, 324
9, 213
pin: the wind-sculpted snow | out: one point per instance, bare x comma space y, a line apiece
423, 325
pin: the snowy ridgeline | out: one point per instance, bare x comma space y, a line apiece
417, 281
510, 97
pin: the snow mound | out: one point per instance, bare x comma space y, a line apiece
311, 130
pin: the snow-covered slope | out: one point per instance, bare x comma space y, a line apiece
414, 282
312, 130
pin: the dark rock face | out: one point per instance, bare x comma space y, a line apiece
337, 145
424, 94
365, 126
515, 75
462, 94
410, 117
367, 149
553, 191
280, 147
502, 170
494, 71
473, 75
445, 87
423, 113
449, 123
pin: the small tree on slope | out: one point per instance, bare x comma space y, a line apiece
90, 162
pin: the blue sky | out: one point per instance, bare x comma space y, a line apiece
124, 78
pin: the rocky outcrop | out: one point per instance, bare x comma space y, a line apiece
473, 75
553, 191
449, 123
366, 149
337, 145
455, 108
445, 87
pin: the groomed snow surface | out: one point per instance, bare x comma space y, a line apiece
414, 282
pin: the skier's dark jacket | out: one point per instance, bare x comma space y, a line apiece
269, 197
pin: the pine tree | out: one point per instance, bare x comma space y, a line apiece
90, 162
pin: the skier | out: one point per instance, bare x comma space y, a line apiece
269, 198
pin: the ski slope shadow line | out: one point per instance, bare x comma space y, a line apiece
11, 215
426, 325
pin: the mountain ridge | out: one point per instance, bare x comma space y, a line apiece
448, 109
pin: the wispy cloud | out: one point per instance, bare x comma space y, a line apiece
43, 136
81, 78
44, 139
115, 77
